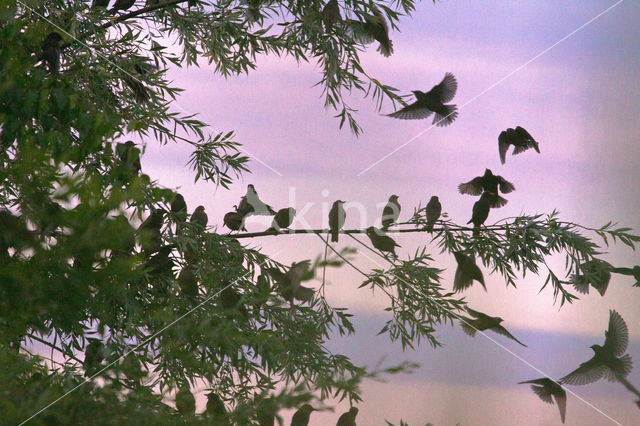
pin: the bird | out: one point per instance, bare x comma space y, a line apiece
179, 207
466, 272
481, 211
432, 101
185, 402
596, 272
129, 156
348, 418
390, 212
252, 12
381, 241
607, 361
632, 272
100, 3
282, 219
301, 417
484, 322
548, 390
199, 217
331, 14
150, 231
52, 51
93, 357
234, 221
337, 217
289, 283
161, 262
258, 207
122, 5
433, 211
519, 138
216, 409
373, 28
488, 183
188, 281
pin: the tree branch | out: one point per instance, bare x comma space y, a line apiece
52, 346
139, 12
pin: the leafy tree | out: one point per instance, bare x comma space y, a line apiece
135, 301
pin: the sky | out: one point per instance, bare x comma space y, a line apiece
577, 95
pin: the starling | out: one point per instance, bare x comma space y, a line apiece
607, 360
488, 183
432, 101
199, 217
188, 281
289, 283
595, 272
348, 418
433, 210
548, 390
150, 231
257, 206
185, 402
282, 219
381, 241
100, 3
122, 5
129, 157
466, 272
252, 12
234, 221
481, 211
179, 207
93, 357
337, 216
484, 322
161, 262
331, 14
301, 417
52, 51
374, 28
390, 212
216, 409
519, 138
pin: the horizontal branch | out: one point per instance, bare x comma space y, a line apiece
51, 345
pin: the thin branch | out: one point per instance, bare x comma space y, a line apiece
139, 12
51, 345
344, 231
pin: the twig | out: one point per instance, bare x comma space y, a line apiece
51, 345
342, 231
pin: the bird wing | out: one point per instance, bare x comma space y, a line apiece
543, 393
467, 326
378, 19
523, 134
474, 313
358, 31
505, 186
446, 89
617, 335
461, 281
588, 372
473, 187
580, 285
413, 111
561, 400
501, 330
503, 145
476, 274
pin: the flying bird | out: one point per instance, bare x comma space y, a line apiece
122, 5
466, 272
301, 417
289, 283
488, 183
548, 390
433, 211
381, 241
481, 211
282, 219
337, 217
185, 402
432, 101
234, 221
52, 51
391, 212
374, 28
596, 272
348, 418
519, 138
607, 361
199, 217
483, 322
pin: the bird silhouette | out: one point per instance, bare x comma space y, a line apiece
199, 217
122, 5
433, 212
432, 101
188, 281
483, 322
519, 138
257, 206
289, 284
234, 221
129, 156
348, 418
179, 207
548, 390
302, 416
607, 361
594, 272
93, 357
391, 212
466, 272
337, 217
100, 3
52, 51
481, 210
331, 14
282, 219
373, 28
150, 232
381, 241
185, 402
488, 183
216, 410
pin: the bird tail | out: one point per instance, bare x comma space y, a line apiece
430, 226
476, 230
445, 115
496, 201
334, 236
386, 48
623, 368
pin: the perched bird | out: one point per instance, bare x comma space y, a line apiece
122, 5
161, 262
100, 3
252, 12
484, 322
433, 210
466, 272
607, 361
481, 211
52, 51
596, 272
488, 183
348, 418
373, 28
432, 101
519, 138
93, 357
257, 206
548, 390
179, 207
282, 219
215, 409
337, 216
234, 221
381, 241
391, 212
185, 402
301, 417
199, 217
128, 165
150, 231
188, 281
331, 14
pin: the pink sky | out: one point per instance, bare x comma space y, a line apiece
579, 101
